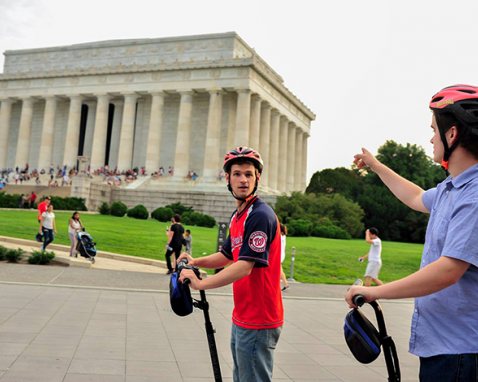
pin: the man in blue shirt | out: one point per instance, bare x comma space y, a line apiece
444, 332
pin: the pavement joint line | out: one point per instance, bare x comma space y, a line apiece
162, 291
58, 275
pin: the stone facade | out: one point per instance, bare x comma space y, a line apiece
180, 102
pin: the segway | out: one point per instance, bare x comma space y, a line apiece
364, 341
181, 302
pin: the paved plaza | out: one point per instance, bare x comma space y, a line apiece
75, 324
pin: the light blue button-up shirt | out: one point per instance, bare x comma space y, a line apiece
446, 322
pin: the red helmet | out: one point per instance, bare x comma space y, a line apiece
241, 153
460, 100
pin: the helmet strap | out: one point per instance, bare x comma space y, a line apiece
447, 150
243, 200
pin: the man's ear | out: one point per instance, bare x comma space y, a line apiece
227, 176
452, 134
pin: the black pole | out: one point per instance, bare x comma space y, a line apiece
204, 306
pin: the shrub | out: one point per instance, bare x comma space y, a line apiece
104, 209
41, 257
68, 204
3, 252
179, 208
8, 201
330, 231
14, 255
138, 212
162, 214
118, 209
198, 219
299, 227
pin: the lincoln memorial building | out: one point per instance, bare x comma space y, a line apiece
174, 103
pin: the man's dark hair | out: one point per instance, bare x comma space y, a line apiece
373, 231
177, 218
467, 139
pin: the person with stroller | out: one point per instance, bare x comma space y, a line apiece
444, 325
251, 256
47, 226
74, 226
175, 242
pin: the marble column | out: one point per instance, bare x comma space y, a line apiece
291, 157
153, 143
255, 122
183, 139
24, 132
274, 151
125, 150
298, 161
72, 138
46, 141
212, 164
264, 141
5, 115
283, 139
98, 148
243, 115
305, 137
231, 122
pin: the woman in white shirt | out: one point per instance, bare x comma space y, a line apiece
47, 226
283, 234
74, 226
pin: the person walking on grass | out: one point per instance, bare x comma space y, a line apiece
251, 257
175, 242
188, 241
444, 325
48, 226
374, 257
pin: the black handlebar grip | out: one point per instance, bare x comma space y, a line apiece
186, 281
358, 300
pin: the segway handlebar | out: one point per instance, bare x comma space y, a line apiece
183, 264
358, 300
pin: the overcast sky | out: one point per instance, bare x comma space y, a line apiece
367, 69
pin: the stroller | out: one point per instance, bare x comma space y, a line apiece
86, 246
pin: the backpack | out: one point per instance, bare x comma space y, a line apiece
180, 296
361, 336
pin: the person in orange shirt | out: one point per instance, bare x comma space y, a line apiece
42, 207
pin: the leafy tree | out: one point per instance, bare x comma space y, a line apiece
338, 180
340, 211
382, 209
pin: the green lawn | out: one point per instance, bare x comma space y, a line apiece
317, 260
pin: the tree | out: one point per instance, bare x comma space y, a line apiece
338, 180
382, 209
339, 211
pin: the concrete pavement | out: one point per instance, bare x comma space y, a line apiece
75, 324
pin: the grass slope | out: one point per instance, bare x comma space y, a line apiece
317, 260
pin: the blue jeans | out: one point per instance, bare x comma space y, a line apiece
449, 368
47, 237
253, 353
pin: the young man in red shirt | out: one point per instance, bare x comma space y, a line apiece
251, 256
42, 207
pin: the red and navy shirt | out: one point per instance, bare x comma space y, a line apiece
254, 235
